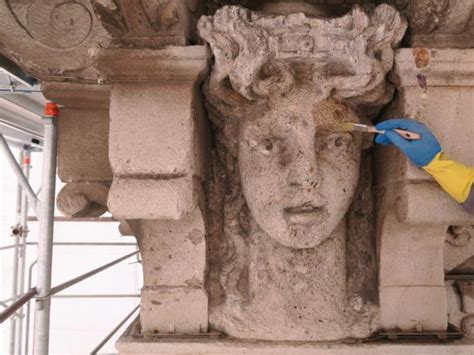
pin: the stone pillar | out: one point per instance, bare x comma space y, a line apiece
83, 161
435, 87
157, 144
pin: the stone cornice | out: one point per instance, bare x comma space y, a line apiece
172, 63
435, 67
74, 95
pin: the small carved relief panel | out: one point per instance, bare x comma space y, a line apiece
289, 228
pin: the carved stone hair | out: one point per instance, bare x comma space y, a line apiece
257, 55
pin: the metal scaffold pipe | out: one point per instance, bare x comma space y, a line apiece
22, 252
25, 185
13, 320
45, 238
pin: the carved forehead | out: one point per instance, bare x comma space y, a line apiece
323, 114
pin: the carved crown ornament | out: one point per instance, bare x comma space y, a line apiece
257, 55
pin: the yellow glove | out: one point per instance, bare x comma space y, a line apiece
455, 178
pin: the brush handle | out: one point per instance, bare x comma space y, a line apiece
411, 136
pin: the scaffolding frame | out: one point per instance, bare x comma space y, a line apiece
44, 210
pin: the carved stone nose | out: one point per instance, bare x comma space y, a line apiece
304, 171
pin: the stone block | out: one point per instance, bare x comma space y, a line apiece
412, 255
406, 308
152, 129
427, 204
151, 198
171, 310
83, 131
173, 252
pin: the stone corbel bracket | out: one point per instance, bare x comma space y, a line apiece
257, 55
158, 153
435, 87
83, 133
156, 148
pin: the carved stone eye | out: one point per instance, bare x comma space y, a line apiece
335, 142
268, 146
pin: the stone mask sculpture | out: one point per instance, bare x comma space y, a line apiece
284, 177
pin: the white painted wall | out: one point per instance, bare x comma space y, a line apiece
77, 325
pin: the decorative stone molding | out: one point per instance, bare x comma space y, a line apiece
285, 183
149, 24
346, 57
54, 40
434, 86
439, 23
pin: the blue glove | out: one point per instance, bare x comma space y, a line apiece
421, 151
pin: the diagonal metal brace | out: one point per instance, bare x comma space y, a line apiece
25, 185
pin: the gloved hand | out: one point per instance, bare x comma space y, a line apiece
421, 151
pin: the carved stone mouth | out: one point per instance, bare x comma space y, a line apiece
303, 209
305, 214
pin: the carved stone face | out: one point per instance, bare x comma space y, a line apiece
298, 174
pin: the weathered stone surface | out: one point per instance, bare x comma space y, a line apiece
412, 256
259, 58
284, 177
83, 199
174, 298
406, 307
150, 24
53, 38
151, 198
83, 131
152, 129
170, 310
439, 23
173, 252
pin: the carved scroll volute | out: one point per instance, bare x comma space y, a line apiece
51, 38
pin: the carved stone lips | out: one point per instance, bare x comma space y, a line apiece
305, 213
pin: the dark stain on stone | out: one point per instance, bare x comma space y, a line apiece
422, 57
422, 81
156, 303
193, 282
